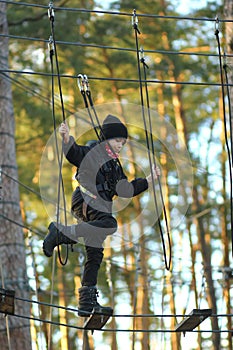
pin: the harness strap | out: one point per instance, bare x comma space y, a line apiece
103, 187
85, 210
84, 190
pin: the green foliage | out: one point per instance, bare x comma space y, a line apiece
110, 54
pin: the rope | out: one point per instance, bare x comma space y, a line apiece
150, 147
129, 330
83, 87
229, 151
231, 142
88, 102
153, 182
53, 51
117, 315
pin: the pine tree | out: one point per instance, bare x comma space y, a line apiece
15, 332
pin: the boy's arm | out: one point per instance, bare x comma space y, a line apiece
73, 152
127, 189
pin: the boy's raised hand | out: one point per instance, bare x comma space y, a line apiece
155, 173
64, 132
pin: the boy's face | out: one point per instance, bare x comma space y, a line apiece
117, 144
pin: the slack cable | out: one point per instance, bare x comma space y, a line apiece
136, 31
154, 162
225, 126
59, 156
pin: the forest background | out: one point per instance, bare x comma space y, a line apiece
189, 132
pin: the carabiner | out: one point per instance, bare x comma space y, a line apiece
80, 84
86, 82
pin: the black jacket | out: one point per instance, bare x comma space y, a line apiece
99, 174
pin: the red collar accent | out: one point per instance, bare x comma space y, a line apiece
111, 154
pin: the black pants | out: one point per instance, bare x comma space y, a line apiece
94, 229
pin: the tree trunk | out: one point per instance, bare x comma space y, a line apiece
205, 248
64, 331
12, 248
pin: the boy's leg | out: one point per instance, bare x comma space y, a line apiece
94, 257
88, 292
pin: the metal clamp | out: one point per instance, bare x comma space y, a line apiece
51, 45
216, 24
51, 14
7, 298
134, 19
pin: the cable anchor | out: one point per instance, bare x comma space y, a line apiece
51, 46
224, 60
142, 57
135, 21
7, 301
51, 14
216, 25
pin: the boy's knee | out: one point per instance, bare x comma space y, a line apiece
112, 225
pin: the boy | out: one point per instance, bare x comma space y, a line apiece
100, 177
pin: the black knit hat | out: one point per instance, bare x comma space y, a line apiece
112, 127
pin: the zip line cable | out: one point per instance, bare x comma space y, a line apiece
31, 190
150, 148
229, 151
41, 234
152, 81
117, 13
98, 46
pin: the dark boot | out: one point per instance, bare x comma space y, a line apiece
88, 302
55, 237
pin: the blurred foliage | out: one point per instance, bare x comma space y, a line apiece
103, 47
